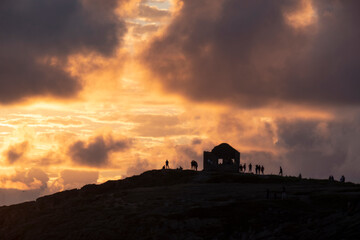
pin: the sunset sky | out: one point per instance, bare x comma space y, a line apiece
95, 90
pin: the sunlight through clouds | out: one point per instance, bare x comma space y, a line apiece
132, 83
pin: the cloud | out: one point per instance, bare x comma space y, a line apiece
95, 152
33, 183
15, 196
34, 178
16, 151
152, 125
196, 141
140, 166
141, 29
255, 53
38, 37
77, 178
185, 154
320, 148
152, 12
269, 160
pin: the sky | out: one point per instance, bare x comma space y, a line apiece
98, 90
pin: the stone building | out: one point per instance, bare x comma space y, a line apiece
223, 158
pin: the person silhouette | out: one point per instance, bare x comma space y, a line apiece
241, 168
250, 167
281, 171
167, 164
244, 167
194, 165
262, 170
342, 179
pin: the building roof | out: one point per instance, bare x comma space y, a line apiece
224, 150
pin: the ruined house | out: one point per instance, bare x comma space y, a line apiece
223, 158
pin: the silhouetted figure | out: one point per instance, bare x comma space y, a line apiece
244, 167
342, 179
163, 167
331, 178
300, 177
281, 171
194, 165
241, 168
250, 167
262, 170
167, 164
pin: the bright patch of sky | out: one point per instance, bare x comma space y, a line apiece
160, 4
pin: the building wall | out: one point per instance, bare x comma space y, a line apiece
211, 163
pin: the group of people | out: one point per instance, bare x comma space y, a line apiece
166, 166
194, 165
331, 178
258, 168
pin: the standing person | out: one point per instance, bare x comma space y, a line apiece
244, 167
250, 167
342, 179
281, 172
167, 164
262, 170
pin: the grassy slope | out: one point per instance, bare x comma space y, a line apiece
185, 204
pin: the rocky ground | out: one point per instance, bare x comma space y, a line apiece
174, 204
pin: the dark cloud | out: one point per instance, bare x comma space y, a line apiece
320, 148
269, 160
184, 155
299, 134
30, 178
16, 151
196, 141
140, 166
246, 53
37, 37
95, 153
257, 157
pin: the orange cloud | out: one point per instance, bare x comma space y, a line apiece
303, 16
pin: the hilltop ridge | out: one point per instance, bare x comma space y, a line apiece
184, 204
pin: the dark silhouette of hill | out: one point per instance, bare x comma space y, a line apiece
174, 204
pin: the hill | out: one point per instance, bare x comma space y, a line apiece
174, 204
